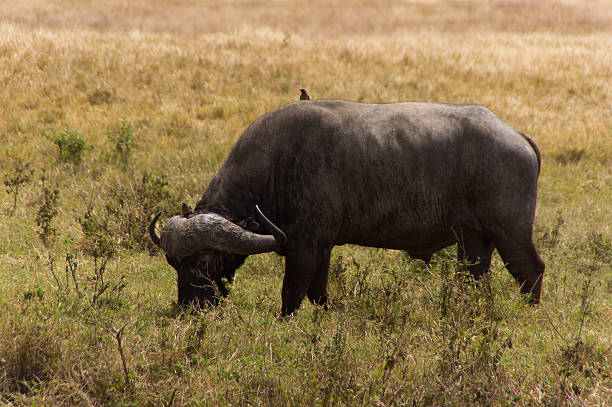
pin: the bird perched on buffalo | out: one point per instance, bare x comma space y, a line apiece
185, 210
304, 95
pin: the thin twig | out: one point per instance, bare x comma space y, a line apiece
51, 266
584, 307
554, 327
426, 289
118, 336
169, 403
73, 266
125, 369
430, 273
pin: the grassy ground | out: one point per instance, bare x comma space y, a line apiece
110, 112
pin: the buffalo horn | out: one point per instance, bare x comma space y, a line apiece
182, 237
278, 234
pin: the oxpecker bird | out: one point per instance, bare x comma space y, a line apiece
185, 210
304, 95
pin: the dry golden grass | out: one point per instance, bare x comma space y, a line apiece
188, 77
315, 18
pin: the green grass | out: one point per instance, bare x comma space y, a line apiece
158, 106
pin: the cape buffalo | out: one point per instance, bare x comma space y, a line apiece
409, 176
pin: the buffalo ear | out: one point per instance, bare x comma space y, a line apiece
249, 224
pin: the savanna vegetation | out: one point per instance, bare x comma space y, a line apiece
111, 111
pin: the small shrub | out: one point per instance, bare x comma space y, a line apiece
598, 246
97, 242
46, 212
122, 139
593, 253
96, 287
549, 236
128, 207
14, 181
97, 238
70, 144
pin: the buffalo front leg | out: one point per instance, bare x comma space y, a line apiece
317, 292
304, 274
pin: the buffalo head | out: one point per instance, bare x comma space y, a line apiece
206, 249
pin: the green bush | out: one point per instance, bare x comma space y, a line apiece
16, 179
70, 144
123, 142
122, 217
46, 212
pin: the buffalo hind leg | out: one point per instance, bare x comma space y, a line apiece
525, 265
302, 268
475, 252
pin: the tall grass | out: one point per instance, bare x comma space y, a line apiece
158, 99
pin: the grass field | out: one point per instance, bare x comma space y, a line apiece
110, 112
